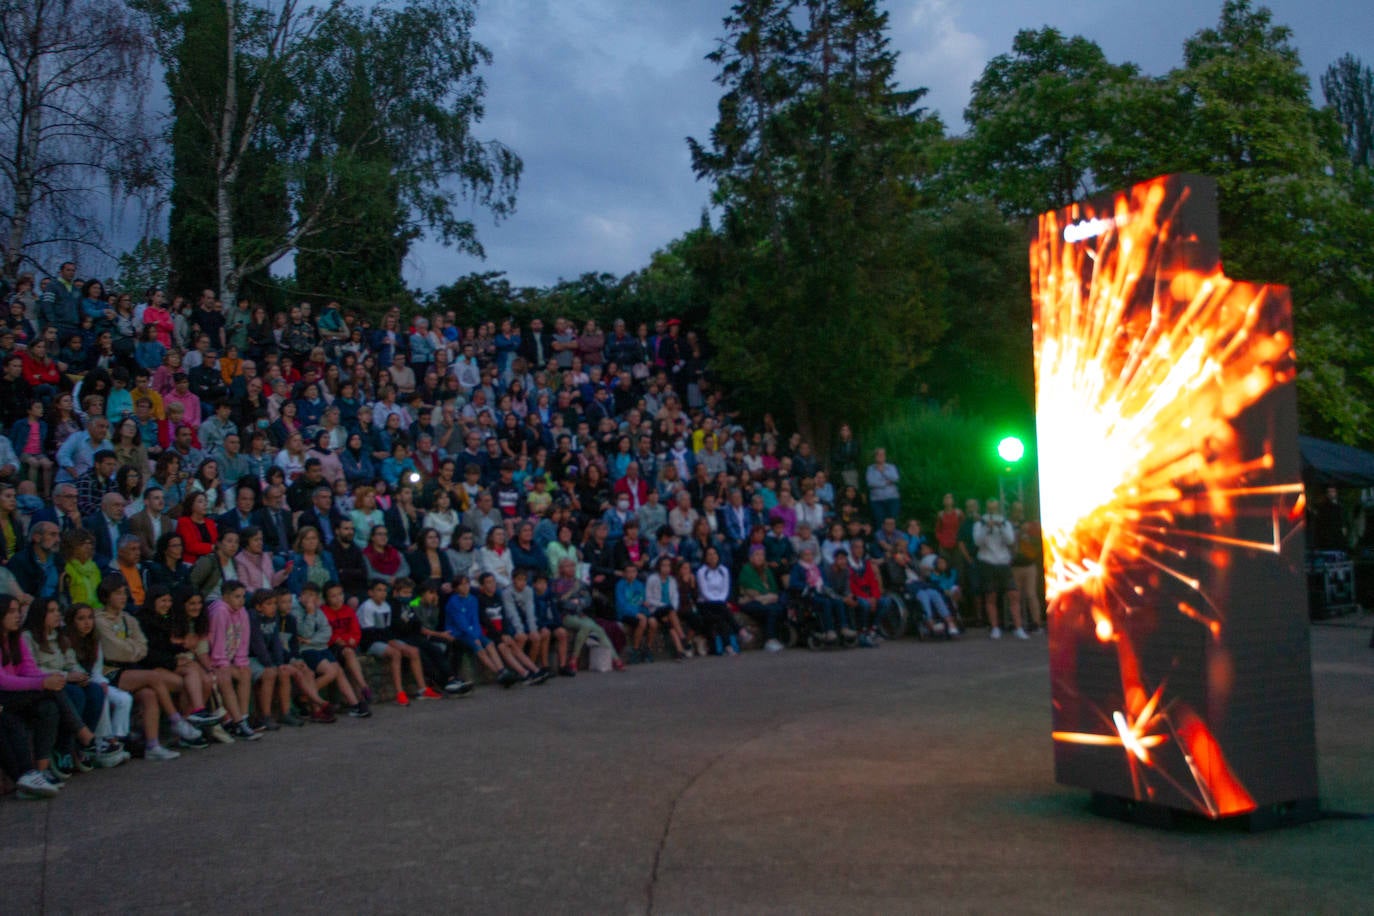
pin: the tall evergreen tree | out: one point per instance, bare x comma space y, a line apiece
814, 158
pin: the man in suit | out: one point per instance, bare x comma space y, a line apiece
278, 534
107, 525
536, 345
63, 512
151, 523
322, 515
243, 513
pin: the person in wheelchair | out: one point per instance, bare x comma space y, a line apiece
759, 596
808, 581
904, 575
866, 587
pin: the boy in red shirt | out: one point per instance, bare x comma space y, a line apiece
347, 635
867, 588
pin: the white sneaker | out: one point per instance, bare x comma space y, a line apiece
158, 752
185, 730
995, 633
220, 735
773, 646
1021, 634
34, 784
952, 629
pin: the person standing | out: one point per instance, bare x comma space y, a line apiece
995, 537
884, 499
1027, 563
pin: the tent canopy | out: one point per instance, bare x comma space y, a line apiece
1329, 464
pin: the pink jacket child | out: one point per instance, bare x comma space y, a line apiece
23, 674
228, 636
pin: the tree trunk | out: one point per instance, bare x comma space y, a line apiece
226, 167
25, 161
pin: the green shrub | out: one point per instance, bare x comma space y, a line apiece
938, 454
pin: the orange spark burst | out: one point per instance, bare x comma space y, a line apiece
1147, 356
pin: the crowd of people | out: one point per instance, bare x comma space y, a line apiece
220, 515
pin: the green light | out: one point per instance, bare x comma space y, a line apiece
1011, 450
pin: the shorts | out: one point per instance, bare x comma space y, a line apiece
994, 579
313, 657
632, 619
378, 648
256, 668
476, 642
663, 613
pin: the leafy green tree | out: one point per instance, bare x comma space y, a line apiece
146, 265
1037, 119
285, 69
814, 275
1348, 87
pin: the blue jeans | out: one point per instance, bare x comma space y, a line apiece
769, 614
88, 702
885, 508
833, 614
932, 603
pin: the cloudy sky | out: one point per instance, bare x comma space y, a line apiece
597, 96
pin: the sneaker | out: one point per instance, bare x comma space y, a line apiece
687, 652
324, 715
866, 642
198, 743
158, 752
268, 724
1019, 633
772, 646
430, 694
567, 671
244, 732
848, 633
34, 784
731, 651
951, 629
571, 665
830, 636
457, 687
995, 633
218, 732
108, 760
290, 720
646, 656
359, 711
84, 759
52, 777
680, 656
617, 664
185, 730
507, 678
62, 766
542, 675
402, 699
203, 718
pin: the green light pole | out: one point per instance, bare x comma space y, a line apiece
1011, 450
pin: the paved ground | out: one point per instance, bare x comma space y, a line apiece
915, 778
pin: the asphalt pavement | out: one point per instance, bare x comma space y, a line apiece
908, 779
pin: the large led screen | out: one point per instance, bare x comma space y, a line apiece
1172, 509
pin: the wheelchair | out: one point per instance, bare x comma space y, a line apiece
804, 625
915, 619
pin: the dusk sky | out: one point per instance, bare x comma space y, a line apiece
597, 96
